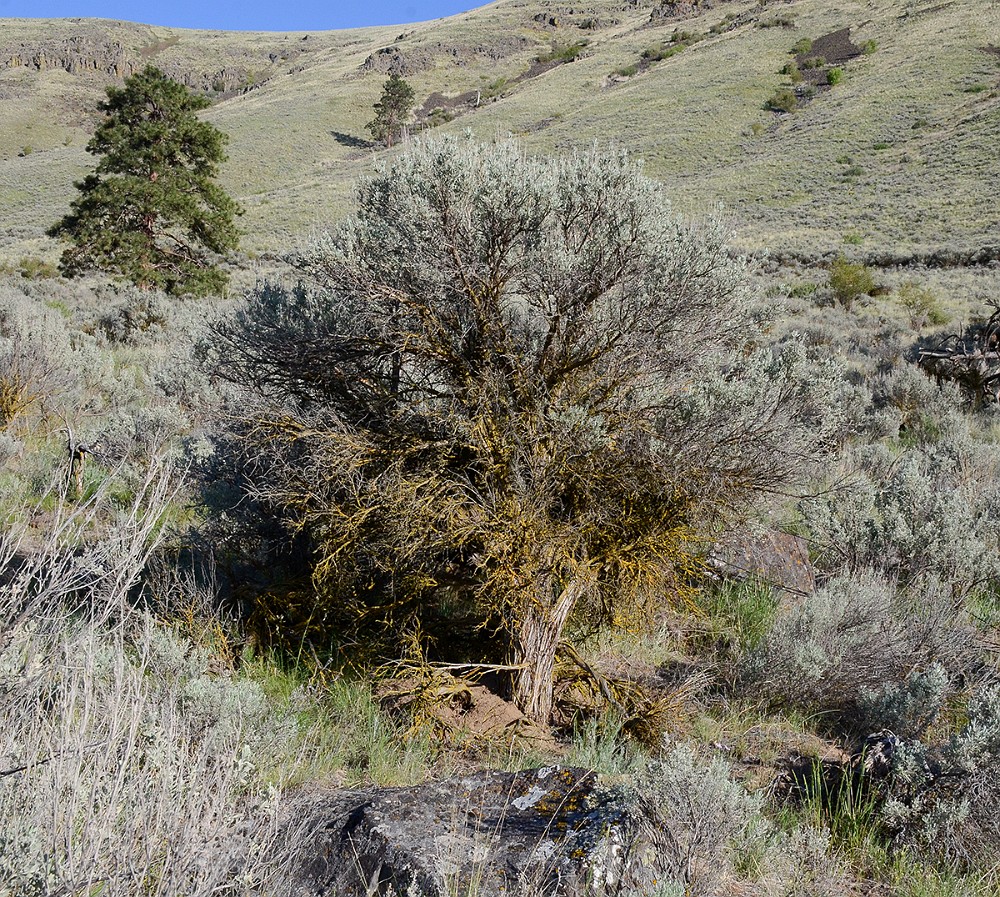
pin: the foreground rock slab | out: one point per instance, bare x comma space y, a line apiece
553, 831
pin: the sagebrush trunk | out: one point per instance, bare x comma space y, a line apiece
537, 641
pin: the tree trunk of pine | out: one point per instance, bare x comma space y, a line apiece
537, 641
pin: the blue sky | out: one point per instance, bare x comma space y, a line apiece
245, 15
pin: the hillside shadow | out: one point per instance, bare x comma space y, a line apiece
350, 140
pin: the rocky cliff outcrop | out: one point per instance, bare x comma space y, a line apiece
76, 55
93, 55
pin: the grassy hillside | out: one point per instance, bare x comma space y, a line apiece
897, 157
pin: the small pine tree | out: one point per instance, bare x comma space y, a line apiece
392, 110
151, 212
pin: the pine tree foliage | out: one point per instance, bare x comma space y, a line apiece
515, 396
151, 212
392, 110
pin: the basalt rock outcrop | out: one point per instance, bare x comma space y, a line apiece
92, 56
555, 831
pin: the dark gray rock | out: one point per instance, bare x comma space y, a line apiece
553, 831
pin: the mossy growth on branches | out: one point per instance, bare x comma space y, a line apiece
508, 404
151, 212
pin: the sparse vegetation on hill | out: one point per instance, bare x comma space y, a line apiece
291, 171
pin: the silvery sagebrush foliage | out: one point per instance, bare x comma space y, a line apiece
945, 799
906, 708
711, 819
718, 838
128, 396
136, 317
38, 360
497, 343
931, 509
856, 635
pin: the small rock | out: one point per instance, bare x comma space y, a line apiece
779, 559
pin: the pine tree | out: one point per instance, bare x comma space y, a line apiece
392, 110
151, 212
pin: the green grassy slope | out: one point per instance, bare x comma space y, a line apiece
900, 155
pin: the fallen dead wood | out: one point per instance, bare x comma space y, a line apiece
970, 359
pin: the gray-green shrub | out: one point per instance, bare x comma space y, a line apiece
945, 798
856, 636
718, 838
480, 304
782, 100
931, 509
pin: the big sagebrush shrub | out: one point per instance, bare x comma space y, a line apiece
944, 799
514, 394
716, 838
932, 509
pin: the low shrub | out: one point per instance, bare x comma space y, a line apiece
791, 69
565, 53
849, 281
834, 76
31, 268
905, 708
928, 508
718, 839
844, 645
922, 305
803, 290
139, 316
944, 799
24, 372
783, 100
801, 47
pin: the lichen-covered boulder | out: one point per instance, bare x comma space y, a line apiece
554, 831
